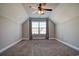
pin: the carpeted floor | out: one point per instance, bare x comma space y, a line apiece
40, 48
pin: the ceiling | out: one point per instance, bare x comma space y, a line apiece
31, 12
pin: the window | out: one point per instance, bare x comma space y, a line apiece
35, 27
42, 27
38, 27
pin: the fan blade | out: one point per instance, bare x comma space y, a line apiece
48, 9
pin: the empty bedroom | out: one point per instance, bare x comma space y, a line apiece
39, 29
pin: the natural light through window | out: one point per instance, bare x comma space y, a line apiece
39, 27
42, 27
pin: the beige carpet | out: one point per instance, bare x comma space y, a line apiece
40, 48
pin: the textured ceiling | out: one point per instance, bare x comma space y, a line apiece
31, 12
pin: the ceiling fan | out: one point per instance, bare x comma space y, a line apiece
41, 8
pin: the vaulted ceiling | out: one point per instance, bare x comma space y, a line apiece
19, 12
33, 12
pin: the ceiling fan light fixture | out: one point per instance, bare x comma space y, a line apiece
41, 8
41, 12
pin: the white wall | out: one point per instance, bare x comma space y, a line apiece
25, 30
66, 17
68, 32
13, 11
11, 18
65, 12
51, 30
9, 32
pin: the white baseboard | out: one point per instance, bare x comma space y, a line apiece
10, 45
25, 38
51, 38
72, 46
